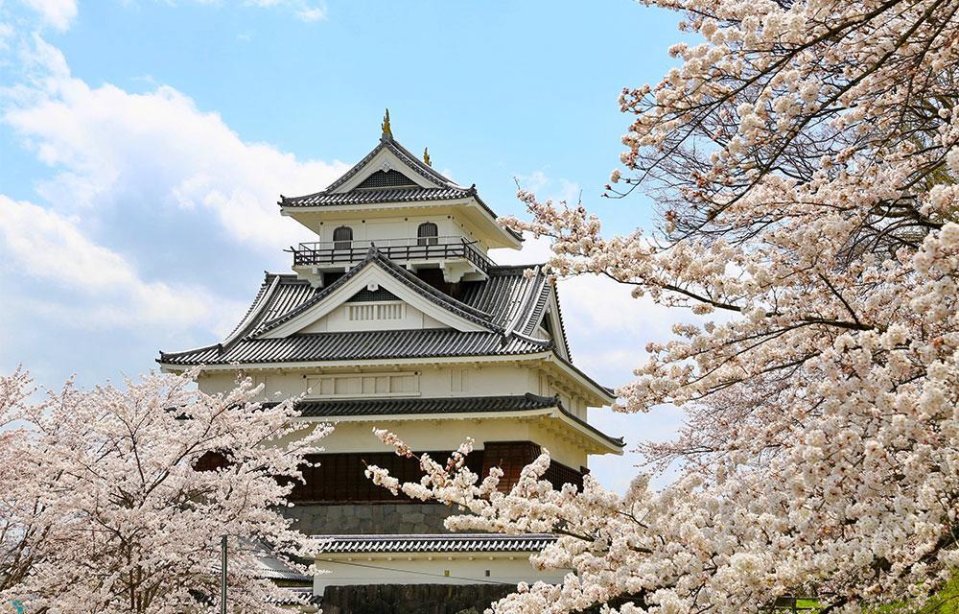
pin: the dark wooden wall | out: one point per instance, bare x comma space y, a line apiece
340, 477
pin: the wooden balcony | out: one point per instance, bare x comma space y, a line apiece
408, 250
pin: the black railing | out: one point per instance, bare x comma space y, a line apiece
426, 248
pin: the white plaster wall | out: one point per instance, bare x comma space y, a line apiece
400, 227
434, 382
442, 432
338, 320
400, 569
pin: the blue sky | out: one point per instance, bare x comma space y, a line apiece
143, 144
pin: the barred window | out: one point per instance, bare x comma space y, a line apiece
427, 234
343, 237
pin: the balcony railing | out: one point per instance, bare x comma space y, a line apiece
407, 249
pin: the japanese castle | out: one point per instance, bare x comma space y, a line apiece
396, 317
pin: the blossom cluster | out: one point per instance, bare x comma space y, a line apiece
116, 499
804, 159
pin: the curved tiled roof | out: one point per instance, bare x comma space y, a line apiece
454, 542
416, 405
389, 195
443, 188
361, 345
399, 273
508, 304
332, 408
404, 154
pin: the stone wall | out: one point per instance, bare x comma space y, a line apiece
412, 598
369, 518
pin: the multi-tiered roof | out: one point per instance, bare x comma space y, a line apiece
397, 316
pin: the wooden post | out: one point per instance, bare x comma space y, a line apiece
223, 575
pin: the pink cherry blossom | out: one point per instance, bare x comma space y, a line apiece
804, 158
109, 503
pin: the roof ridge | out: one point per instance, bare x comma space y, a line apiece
403, 153
538, 308
424, 169
483, 315
354, 169
252, 315
523, 311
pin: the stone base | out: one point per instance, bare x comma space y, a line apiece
412, 598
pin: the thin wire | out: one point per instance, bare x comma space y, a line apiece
422, 573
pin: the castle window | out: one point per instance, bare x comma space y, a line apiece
343, 237
427, 234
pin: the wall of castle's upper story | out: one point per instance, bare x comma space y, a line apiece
435, 433
368, 228
439, 381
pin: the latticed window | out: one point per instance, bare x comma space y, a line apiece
427, 234
343, 237
387, 179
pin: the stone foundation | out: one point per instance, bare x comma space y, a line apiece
412, 598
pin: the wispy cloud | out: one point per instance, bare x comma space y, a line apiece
139, 183
111, 148
540, 182
58, 14
103, 287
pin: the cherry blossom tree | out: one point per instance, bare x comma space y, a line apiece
803, 156
116, 499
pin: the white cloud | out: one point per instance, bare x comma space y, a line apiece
102, 288
56, 13
556, 189
157, 149
123, 162
60, 14
311, 14
304, 11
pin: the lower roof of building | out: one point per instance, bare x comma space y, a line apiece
436, 542
357, 345
334, 408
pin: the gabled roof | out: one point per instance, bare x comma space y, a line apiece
405, 155
377, 259
504, 311
440, 188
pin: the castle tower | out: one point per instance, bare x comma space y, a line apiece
396, 317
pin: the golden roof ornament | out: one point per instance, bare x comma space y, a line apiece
387, 129
426, 157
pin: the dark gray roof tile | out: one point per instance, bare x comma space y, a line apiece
364, 345
408, 279
333, 408
391, 195
414, 406
455, 542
